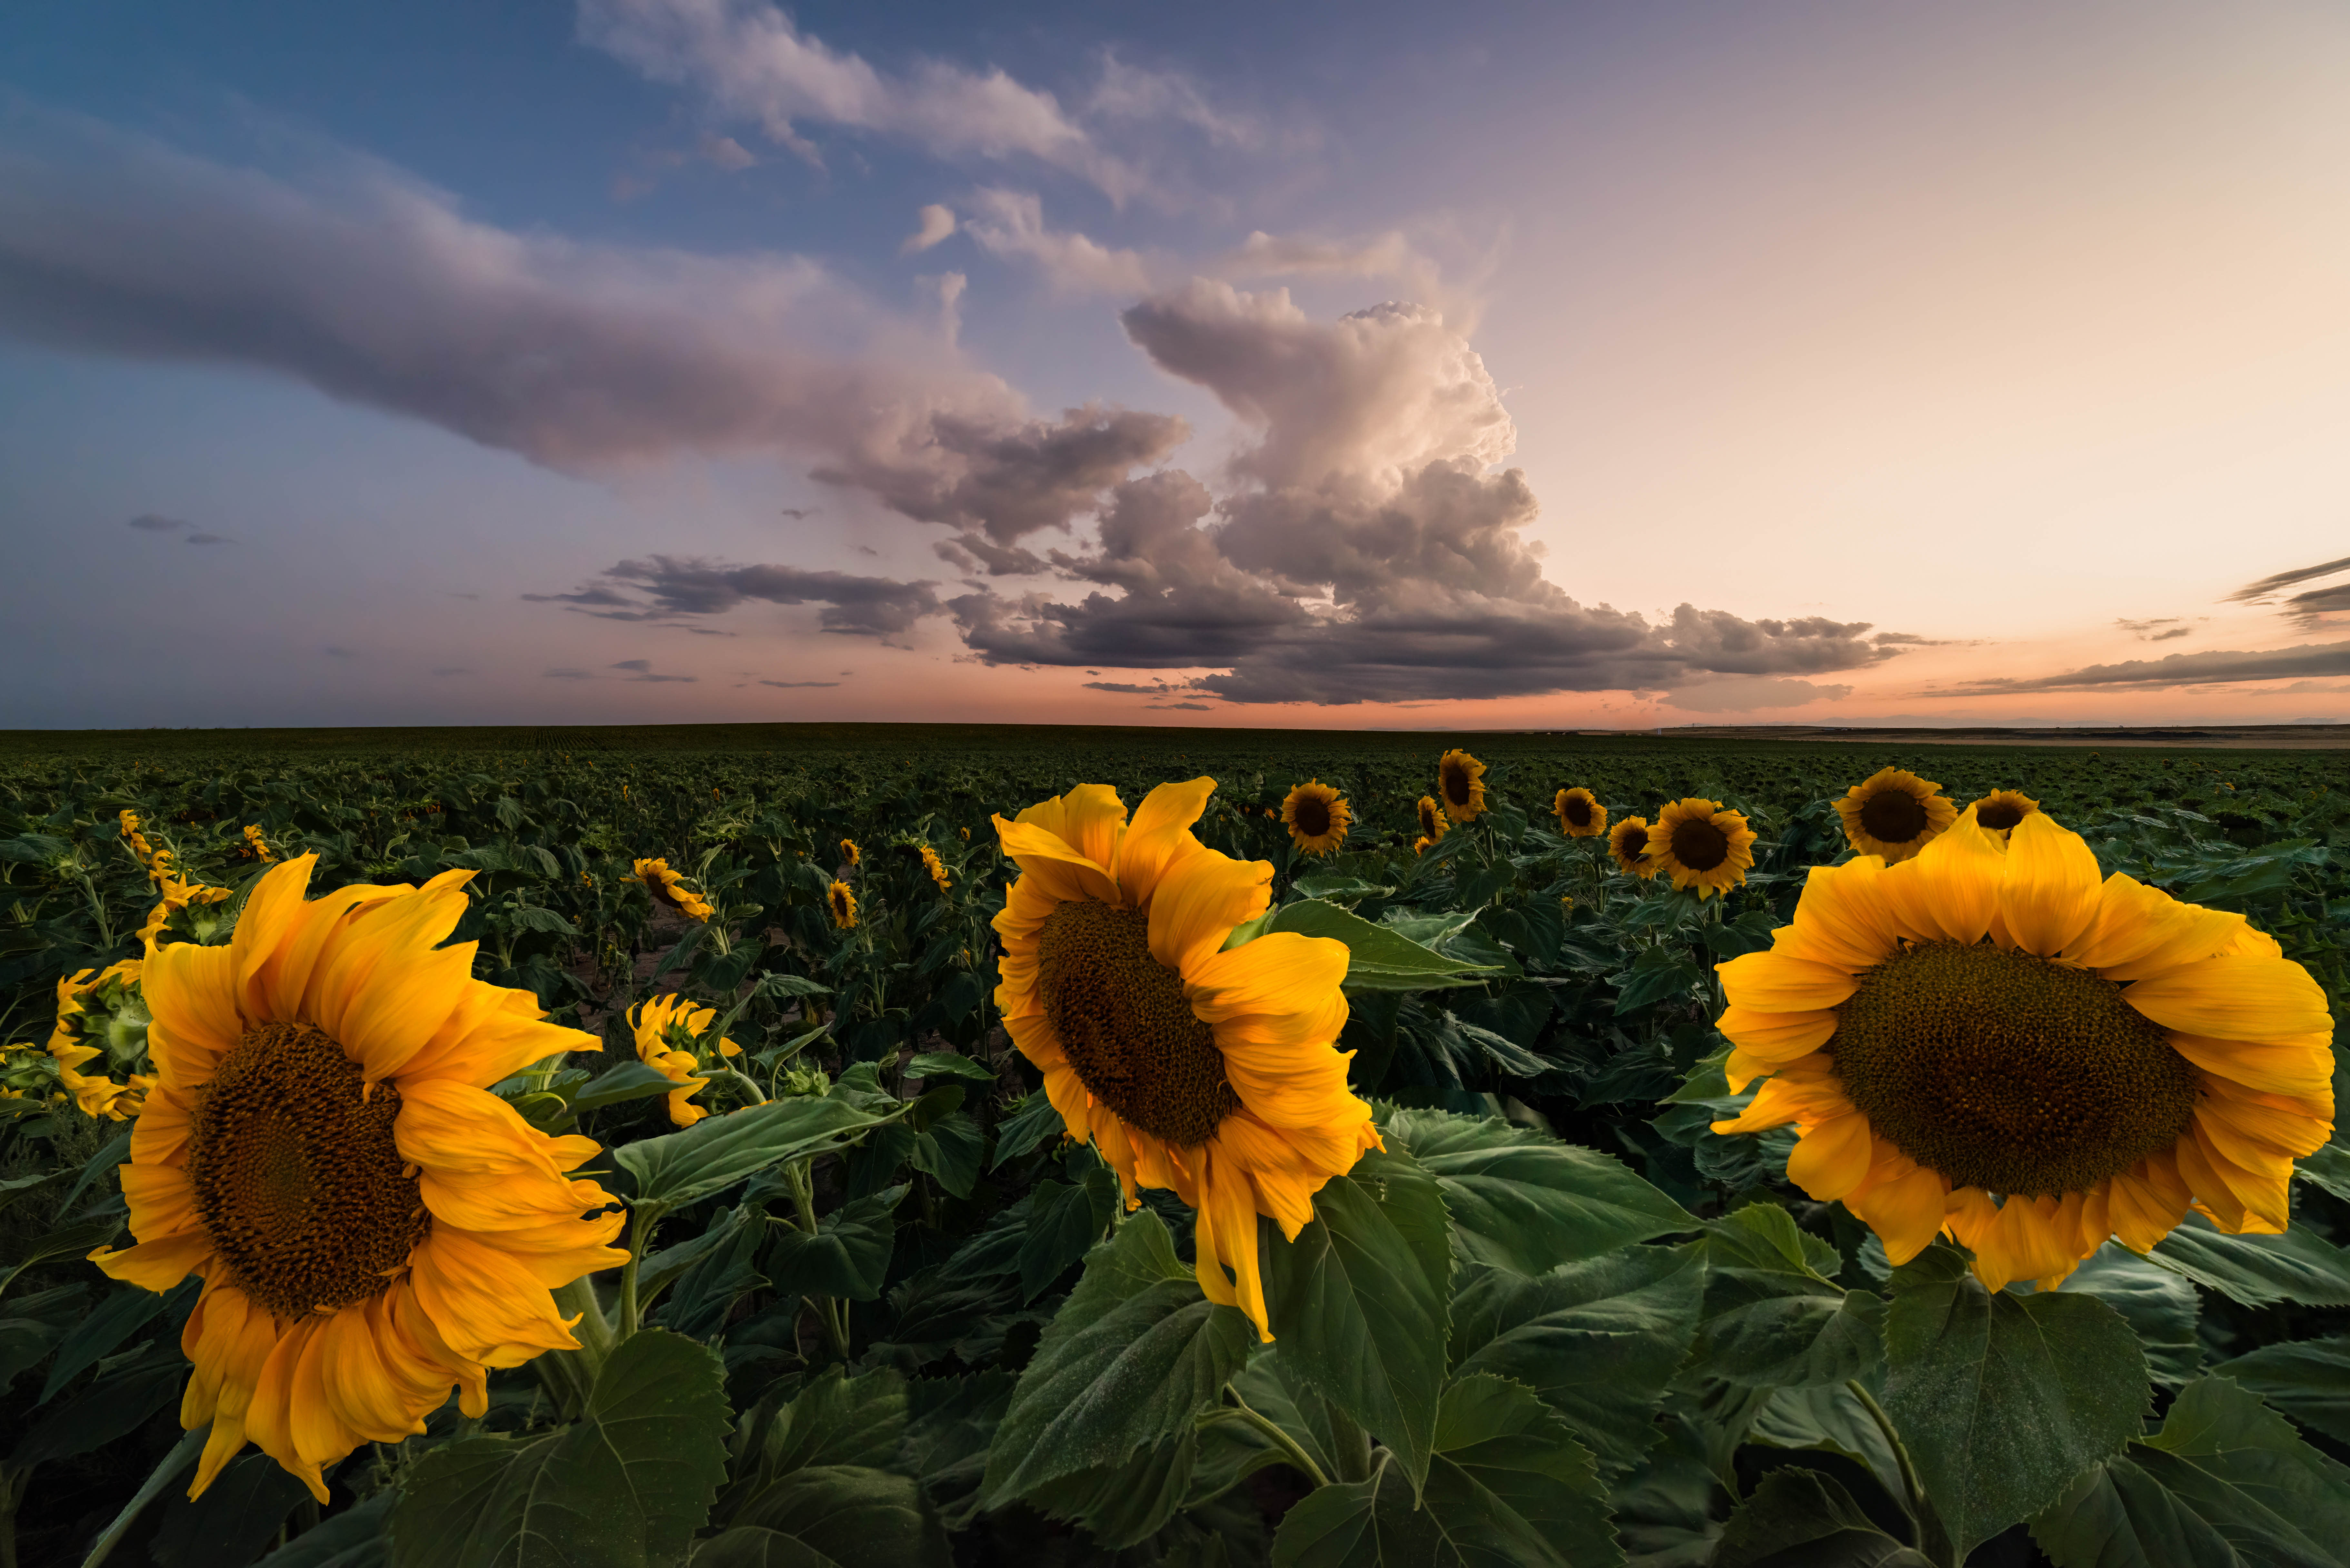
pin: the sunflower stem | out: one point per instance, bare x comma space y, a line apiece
1290, 1448
640, 1231
1917, 1504
182, 1455
594, 1330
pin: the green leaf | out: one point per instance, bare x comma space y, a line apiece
1657, 974
2308, 1379
350, 1539
684, 1168
848, 1257
1378, 958
1507, 1484
2258, 1271
2225, 1484
1034, 1122
82, 1237
626, 1486
1525, 1202
1827, 1418
1802, 1519
950, 1150
629, 1081
847, 1515
229, 1525
2160, 1305
949, 1064
1125, 1504
1064, 1223
118, 1403
118, 1318
1771, 1319
1597, 1340
1338, 888
1663, 1510
950, 1422
2329, 1167
1133, 1354
838, 1420
2002, 1399
1358, 1301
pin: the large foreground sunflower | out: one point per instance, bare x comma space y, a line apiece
668, 1031
1701, 844
1579, 813
372, 1226
1894, 814
1317, 817
1190, 1068
1988, 1040
1628, 842
1460, 785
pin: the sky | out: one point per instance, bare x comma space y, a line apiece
1481, 366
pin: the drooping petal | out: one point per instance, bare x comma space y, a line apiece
227, 1341
273, 909
1089, 819
1199, 901
1224, 1236
486, 1305
1906, 1211
1062, 872
269, 1420
1832, 1158
1158, 837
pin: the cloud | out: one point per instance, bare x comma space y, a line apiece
2309, 660
1128, 687
584, 357
1126, 92
726, 153
147, 522
752, 63
2163, 628
1202, 707
642, 670
798, 683
2302, 609
1010, 224
569, 675
934, 223
1749, 693
203, 538
333, 651
671, 588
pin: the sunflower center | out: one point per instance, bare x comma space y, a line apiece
1311, 815
1577, 811
1633, 844
1126, 1026
297, 1178
2006, 1072
1456, 784
1699, 844
2000, 814
1894, 816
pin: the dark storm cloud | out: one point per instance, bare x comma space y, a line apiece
2310, 660
376, 289
2304, 609
669, 588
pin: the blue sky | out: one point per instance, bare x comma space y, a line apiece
690, 359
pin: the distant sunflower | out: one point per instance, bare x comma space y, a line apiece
1210, 1071
1432, 819
668, 888
848, 852
1460, 785
2001, 809
184, 911
668, 1031
1699, 844
93, 1007
257, 847
1628, 843
1579, 813
936, 867
1422, 845
1317, 817
372, 1226
1894, 814
842, 903
1990, 1040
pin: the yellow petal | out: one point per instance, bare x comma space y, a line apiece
2142, 1212
1950, 889
2231, 998
159, 1265
1905, 1212
1843, 919
2141, 930
1062, 872
1284, 974
2049, 896
1832, 1158
1089, 819
1776, 1037
1224, 1235
486, 1306
385, 986
1160, 836
1773, 982
2302, 1068
191, 992
1199, 901
272, 911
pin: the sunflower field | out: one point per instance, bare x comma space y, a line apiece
797, 1145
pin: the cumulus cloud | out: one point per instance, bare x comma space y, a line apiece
932, 224
671, 588
2305, 609
752, 63
1010, 224
584, 357
2308, 661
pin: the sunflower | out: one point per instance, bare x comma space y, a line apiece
1894, 814
177, 899
257, 847
373, 1228
1190, 1068
1422, 844
668, 1031
97, 1010
2001, 809
1317, 817
668, 888
1628, 841
1990, 1040
848, 852
936, 867
1701, 846
1579, 813
1460, 785
842, 903
1431, 820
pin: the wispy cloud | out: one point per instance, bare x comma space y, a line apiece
2177, 669
669, 587
1010, 224
151, 523
642, 670
2303, 609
